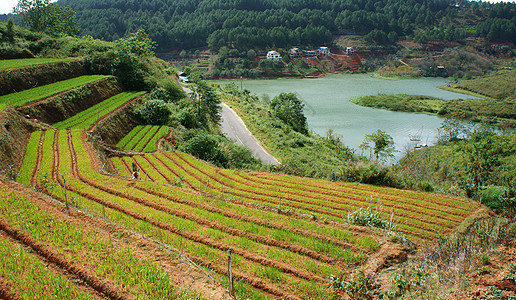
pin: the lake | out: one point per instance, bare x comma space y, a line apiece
327, 106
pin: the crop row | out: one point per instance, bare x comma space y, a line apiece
143, 138
90, 116
201, 182
250, 264
462, 205
409, 221
208, 228
440, 208
42, 92
106, 266
27, 62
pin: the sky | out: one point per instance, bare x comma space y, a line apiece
6, 6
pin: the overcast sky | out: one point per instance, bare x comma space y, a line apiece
6, 6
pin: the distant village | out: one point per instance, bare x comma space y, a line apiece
298, 53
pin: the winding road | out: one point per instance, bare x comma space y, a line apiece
235, 129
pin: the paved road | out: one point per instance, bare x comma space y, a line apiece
235, 129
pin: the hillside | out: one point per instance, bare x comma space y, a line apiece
264, 24
286, 239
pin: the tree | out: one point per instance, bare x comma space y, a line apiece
137, 43
383, 144
208, 102
154, 112
43, 16
289, 108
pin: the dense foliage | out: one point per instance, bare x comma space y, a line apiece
43, 16
263, 23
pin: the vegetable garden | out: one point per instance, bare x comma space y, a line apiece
288, 235
42, 92
87, 118
143, 138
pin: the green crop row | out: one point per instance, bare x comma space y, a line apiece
88, 117
88, 249
131, 144
27, 62
410, 221
129, 136
151, 144
29, 277
196, 248
27, 96
29, 161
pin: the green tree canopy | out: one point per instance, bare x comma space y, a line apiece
289, 108
43, 16
383, 144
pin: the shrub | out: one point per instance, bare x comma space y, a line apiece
370, 218
154, 112
204, 146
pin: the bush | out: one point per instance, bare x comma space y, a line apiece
370, 218
168, 91
492, 196
204, 146
154, 112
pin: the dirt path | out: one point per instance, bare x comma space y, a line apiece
6, 291
34, 175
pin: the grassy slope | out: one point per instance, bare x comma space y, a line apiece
19, 63
499, 86
27, 96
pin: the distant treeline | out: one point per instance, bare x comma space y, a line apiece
245, 24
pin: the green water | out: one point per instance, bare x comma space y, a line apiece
327, 105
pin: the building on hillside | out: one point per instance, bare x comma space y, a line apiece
324, 51
183, 77
309, 53
273, 55
350, 50
295, 53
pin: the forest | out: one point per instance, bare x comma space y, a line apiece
264, 24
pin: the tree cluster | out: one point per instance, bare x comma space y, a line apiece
264, 23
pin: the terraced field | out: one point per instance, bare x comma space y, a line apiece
86, 118
143, 138
42, 92
20, 63
287, 252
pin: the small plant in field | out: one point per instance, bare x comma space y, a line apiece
46, 184
370, 218
493, 293
356, 288
9, 172
511, 275
404, 283
484, 259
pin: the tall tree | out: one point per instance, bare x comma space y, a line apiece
43, 16
289, 108
383, 145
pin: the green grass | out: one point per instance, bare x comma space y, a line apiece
30, 277
27, 62
27, 96
499, 86
29, 161
88, 117
401, 102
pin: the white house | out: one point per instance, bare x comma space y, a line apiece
273, 55
350, 50
324, 51
295, 52
183, 77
